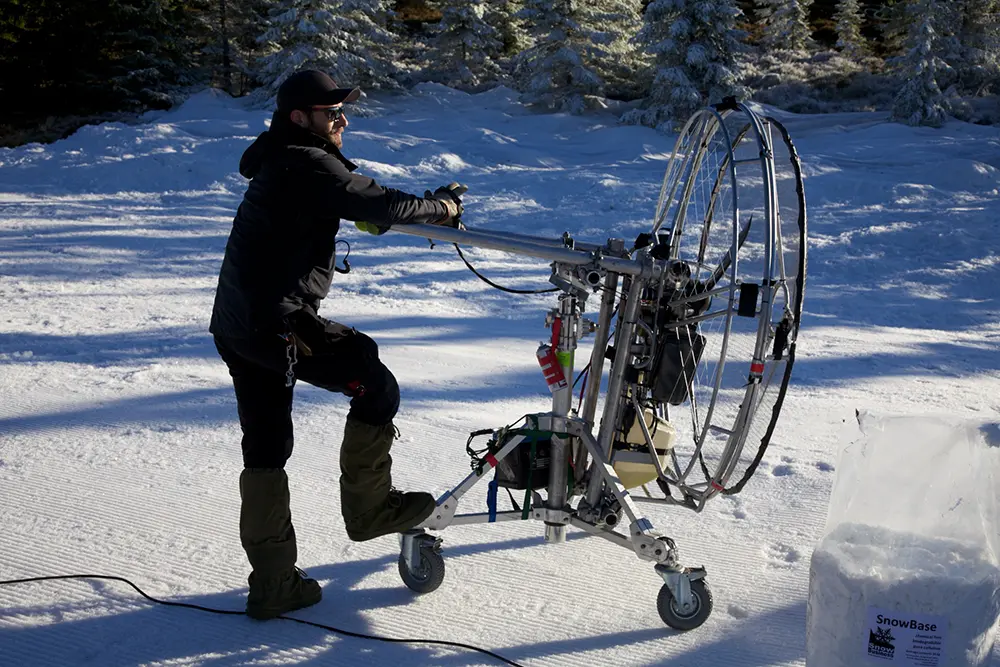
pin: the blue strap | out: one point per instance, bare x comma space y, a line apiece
491, 499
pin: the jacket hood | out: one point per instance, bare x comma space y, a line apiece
283, 133
253, 157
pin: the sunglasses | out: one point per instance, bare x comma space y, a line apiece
331, 113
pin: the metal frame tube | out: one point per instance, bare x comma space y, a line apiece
616, 382
484, 517
484, 238
593, 388
444, 512
538, 240
740, 430
568, 319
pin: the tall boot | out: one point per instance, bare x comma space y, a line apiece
268, 537
371, 506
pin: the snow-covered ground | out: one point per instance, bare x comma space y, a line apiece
119, 445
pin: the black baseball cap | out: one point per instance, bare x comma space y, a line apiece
309, 88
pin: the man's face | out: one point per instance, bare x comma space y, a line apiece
329, 123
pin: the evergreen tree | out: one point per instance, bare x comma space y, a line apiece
764, 9
618, 59
893, 24
694, 44
785, 23
63, 57
557, 72
849, 39
503, 16
978, 61
231, 29
347, 39
920, 100
250, 24
300, 34
468, 45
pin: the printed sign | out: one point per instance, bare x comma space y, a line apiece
904, 640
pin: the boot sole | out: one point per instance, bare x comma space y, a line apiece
274, 612
364, 536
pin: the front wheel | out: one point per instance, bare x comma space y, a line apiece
427, 575
690, 618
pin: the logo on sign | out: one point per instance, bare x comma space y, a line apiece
880, 643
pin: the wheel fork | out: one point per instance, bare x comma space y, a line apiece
679, 583
410, 543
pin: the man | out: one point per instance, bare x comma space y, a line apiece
278, 266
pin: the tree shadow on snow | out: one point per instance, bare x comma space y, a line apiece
759, 641
118, 358
116, 627
923, 363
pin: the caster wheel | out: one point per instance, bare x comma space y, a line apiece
427, 575
685, 619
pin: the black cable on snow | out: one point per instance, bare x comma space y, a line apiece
329, 628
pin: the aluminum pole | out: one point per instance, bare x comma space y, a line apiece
494, 241
593, 389
568, 321
626, 332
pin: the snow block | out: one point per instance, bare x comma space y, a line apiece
907, 572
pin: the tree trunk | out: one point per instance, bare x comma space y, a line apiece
227, 67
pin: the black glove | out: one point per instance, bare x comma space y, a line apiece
450, 196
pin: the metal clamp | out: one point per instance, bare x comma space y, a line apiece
442, 514
650, 545
551, 516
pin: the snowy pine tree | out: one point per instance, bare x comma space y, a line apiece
345, 38
557, 72
694, 44
849, 39
503, 16
299, 35
785, 23
233, 27
920, 100
467, 45
978, 62
618, 59
764, 9
893, 24
155, 43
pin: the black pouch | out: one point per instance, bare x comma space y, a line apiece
518, 470
680, 353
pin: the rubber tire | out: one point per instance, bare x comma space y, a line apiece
431, 573
667, 607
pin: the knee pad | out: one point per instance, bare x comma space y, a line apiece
380, 401
366, 346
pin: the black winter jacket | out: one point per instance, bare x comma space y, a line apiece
281, 251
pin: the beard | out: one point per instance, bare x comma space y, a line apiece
334, 136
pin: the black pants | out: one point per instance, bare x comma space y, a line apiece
339, 359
